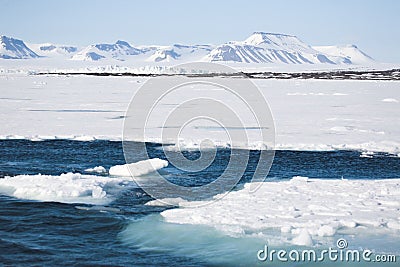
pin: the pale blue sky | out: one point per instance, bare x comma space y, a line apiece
372, 25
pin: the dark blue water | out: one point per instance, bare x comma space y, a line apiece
51, 234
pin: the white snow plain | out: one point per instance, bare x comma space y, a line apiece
308, 114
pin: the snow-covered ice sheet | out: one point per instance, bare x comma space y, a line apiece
76, 187
302, 211
309, 114
80, 108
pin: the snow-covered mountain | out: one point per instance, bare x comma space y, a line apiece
263, 47
352, 52
53, 50
178, 51
11, 48
260, 47
121, 50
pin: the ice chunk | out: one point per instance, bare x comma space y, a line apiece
84, 138
299, 179
367, 154
138, 168
99, 208
97, 169
97, 192
326, 230
166, 202
286, 229
394, 224
392, 100
348, 224
303, 239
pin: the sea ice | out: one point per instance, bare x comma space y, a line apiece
307, 210
138, 168
65, 188
349, 116
97, 169
303, 239
393, 100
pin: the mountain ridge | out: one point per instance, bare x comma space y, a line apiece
260, 47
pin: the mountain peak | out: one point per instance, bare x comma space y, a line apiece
112, 47
350, 46
11, 48
120, 50
5, 39
349, 51
272, 34
260, 38
123, 43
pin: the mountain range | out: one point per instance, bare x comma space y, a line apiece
260, 47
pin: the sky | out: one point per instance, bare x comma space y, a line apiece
372, 25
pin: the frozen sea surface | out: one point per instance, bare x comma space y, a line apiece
309, 114
120, 224
65, 196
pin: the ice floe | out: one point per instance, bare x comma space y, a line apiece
138, 168
65, 188
304, 210
76, 187
392, 100
97, 169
